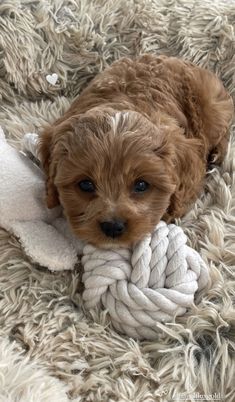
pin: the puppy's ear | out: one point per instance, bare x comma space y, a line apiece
184, 160
166, 141
48, 160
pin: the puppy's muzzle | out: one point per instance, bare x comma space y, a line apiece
113, 228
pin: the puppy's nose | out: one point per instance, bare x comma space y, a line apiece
113, 228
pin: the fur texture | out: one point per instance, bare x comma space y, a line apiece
21, 379
42, 311
154, 120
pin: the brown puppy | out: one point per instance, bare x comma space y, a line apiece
134, 147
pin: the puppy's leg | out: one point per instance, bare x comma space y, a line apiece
218, 153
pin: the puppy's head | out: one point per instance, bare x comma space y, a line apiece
112, 172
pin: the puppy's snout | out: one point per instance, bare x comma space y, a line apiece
113, 228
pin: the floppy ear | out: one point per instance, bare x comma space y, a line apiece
46, 152
185, 163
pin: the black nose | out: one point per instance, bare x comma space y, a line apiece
113, 228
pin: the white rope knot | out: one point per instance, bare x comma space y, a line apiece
155, 281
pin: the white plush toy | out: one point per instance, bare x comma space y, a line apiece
43, 233
155, 281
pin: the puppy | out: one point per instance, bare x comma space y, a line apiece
134, 147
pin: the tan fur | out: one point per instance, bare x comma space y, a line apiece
153, 118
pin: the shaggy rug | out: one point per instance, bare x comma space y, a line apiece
50, 348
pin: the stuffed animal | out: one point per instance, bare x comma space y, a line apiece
43, 233
154, 281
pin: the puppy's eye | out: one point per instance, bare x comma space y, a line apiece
140, 186
87, 186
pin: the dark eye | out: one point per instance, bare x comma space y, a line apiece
87, 186
140, 186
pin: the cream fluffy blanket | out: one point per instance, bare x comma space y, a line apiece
50, 349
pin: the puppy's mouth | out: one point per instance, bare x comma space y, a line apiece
109, 232
112, 245
108, 243
103, 234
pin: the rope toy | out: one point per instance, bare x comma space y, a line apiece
156, 281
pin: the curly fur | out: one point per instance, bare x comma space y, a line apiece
159, 119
